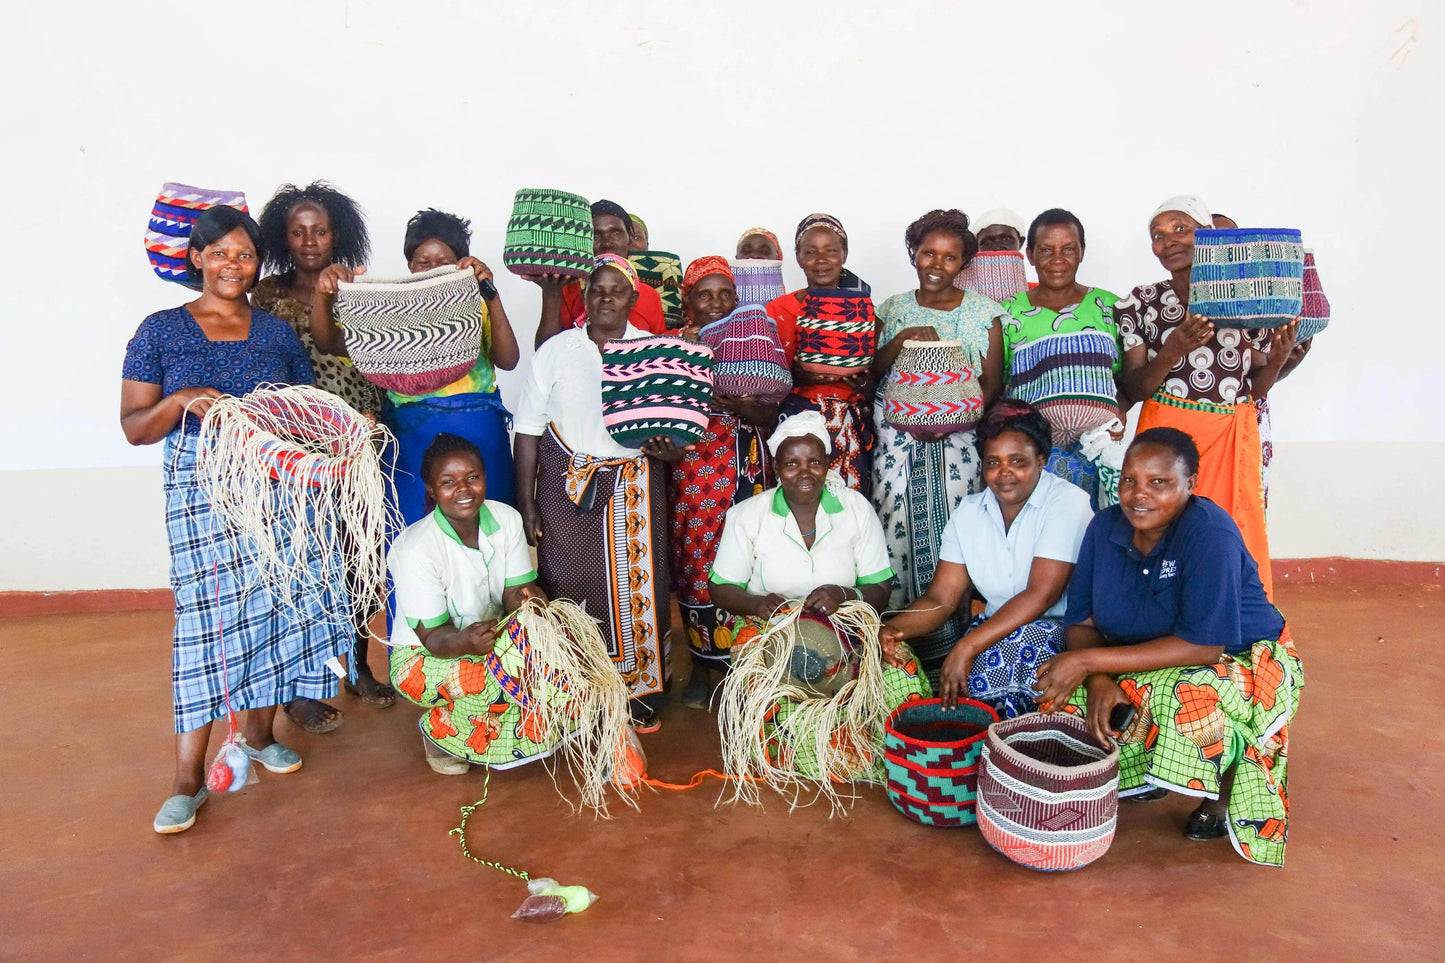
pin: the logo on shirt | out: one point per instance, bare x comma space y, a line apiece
1167, 568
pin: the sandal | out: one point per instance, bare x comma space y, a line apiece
178, 813
1153, 795
645, 721
442, 762
275, 758
698, 693
1205, 825
305, 716
372, 692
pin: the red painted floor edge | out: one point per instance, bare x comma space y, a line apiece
1374, 571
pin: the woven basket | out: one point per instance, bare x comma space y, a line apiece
758, 281
1069, 378
997, 275
662, 272
1315, 314
748, 357
412, 335
1247, 278
549, 232
931, 755
932, 386
168, 236
1048, 797
837, 332
658, 386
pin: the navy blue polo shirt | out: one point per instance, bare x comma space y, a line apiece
1199, 583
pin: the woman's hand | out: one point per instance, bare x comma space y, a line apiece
332, 275
479, 638
1281, 344
890, 640
664, 450
1193, 333
953, 676
513, 597
482, 272
548, 282
690, 331
196, 401
765, 605
922, 332
825, 599
1102, 695
1057, 679
531, 520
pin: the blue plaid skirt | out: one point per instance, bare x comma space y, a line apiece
1003, 674
272, 656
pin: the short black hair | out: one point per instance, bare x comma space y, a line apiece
455, 232
445, 444
951, 221
1011, 414
215, 223
1175, 441
351, 244
1051, 217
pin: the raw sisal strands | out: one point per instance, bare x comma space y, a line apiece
845, 731
296, 475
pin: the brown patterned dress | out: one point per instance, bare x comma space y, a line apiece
333, 374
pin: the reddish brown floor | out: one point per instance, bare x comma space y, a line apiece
350, 858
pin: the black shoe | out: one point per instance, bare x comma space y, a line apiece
1204, 825
1153, 795
697, 693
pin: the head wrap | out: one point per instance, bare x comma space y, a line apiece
615, 209
763, 232
1191, 204
620, 263
701, 268
801, 425
638, 222
1002, 216
820, 220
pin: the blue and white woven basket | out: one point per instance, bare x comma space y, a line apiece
1247, 278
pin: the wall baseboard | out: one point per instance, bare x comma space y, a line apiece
1292, 571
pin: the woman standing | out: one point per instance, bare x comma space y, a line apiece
595, 510
1059, 304
1200, 380
304, 230
178, 363
919, 476
471, 406
759, 243
821, 246
729, 464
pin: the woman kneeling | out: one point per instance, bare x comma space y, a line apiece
813, 539
457, 572
1167, 616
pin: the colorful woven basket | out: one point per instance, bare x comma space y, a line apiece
837, 332
932, 386
748, 357
168, 237
658, 386
931, 754
997, 275
1247, 278
413, 335
549, 232
662, 272
758, 281
1048, 797
1069, 378
1315, 314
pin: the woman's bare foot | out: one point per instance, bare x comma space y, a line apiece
313, 716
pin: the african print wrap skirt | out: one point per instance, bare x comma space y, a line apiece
604, 546
730, 464
850, 425
228, 628
1194, 723
1002, 675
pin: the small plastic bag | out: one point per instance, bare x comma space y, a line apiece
550, 901
231, 769
630, 767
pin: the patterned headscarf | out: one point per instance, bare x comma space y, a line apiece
1190, 204
620, 263
763, 232
701, 268
820, 220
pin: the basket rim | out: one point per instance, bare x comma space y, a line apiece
889, 729
1057, 724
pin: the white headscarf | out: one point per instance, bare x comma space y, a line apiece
1191, 204
1004, 216
801, 425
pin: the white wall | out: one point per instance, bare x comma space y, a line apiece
707, 119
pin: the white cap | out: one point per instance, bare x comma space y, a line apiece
1004, 216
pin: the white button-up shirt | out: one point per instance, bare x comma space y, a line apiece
1050, 525
762, 550
564, 386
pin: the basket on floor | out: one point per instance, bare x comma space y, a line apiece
657, 386
757, 280
1048, 797
549, 233
931, 754
931, 386
837, 332
1247, 278
168, 236
662, 272
997, 275
748, 357
1315, 314
1069, 378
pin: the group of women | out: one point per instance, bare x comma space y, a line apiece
1161, 602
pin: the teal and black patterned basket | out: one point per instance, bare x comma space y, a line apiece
549, 233
1247, 278
931, 754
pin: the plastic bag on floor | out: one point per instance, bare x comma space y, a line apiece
550, 901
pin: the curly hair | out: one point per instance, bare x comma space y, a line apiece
351, 245
1172, 440
952, 221
445, 444
455, 232
1050, 218
1010, 414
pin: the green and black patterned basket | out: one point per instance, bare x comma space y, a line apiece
549, 233
662, 271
